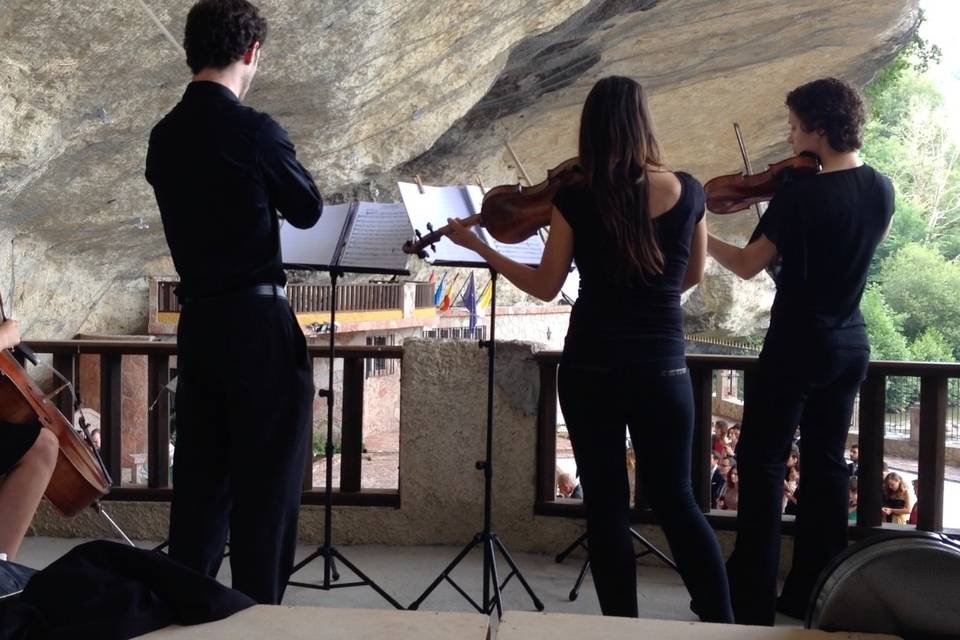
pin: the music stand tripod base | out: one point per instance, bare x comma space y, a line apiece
490, 541
582, 542
327, 551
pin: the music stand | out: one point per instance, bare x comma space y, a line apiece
422, 204
361, 237
581, 541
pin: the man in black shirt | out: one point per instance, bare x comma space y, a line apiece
825, 229
221, 172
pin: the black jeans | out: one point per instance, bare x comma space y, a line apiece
244, 409
812, 385
657, 407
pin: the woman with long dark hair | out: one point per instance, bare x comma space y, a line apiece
638, 236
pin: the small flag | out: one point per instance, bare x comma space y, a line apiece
447, 299
438, 293
470, 302
484, 300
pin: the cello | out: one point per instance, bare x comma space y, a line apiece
80, 477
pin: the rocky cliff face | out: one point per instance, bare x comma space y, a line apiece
376, 90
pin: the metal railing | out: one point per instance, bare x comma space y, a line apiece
933, 407
158, 488
311, 298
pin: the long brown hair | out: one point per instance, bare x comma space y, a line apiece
900, 493
616, 143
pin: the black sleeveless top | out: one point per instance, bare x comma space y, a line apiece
640, 323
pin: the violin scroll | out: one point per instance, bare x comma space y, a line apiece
510, 213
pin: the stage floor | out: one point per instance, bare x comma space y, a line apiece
405, 572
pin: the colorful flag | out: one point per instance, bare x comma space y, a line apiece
484, 300
438, 294
470, 301
447, 299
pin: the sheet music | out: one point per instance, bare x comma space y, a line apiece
529, 252
316, 246
434, 206
375, 239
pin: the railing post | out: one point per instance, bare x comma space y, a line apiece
702, 379
351, 433
158, 421
307, 483
933, 433
547, 433
65, 364
870, 475
110, 415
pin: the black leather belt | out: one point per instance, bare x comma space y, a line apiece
262, 290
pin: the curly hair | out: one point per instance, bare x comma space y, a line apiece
833, 106
218, 32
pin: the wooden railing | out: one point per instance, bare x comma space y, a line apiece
933, 411
66, 356
309, 298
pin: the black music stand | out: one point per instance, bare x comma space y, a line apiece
649, 547
422, 203
582, 542
488, 538
348, 238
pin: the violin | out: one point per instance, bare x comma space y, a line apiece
511, 213
79, 477
736, 192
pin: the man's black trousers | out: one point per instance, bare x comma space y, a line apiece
244, 405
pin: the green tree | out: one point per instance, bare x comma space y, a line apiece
931, 346
920, 285
883, 327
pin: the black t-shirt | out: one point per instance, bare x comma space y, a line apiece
615, 322
220, 172
826, 228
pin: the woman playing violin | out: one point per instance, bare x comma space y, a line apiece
638, 236
825, 229
28, 455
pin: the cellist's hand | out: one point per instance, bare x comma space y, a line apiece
9, 334
463, 236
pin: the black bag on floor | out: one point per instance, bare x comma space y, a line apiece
110, 591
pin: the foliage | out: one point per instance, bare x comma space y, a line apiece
931, 346
914, 280
883, 327
923, 287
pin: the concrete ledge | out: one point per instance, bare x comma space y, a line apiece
302, 623
521, 625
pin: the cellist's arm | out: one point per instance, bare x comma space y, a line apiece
9, 333
542, 282
746, 261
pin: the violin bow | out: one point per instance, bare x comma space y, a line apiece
746, 160
526, 176
513, 154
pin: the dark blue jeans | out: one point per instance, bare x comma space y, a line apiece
657, 407
812, 385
